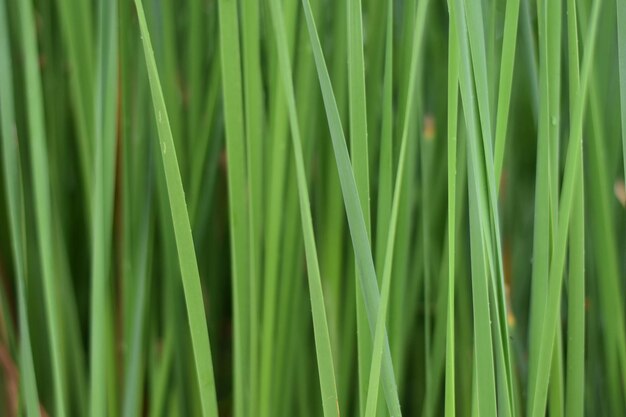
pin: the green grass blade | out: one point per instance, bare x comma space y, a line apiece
15, 201
250, 19
236, 157
485, 380
453, 104
507, 65
572, 169
575, 376
356, 222
43, 207
102, 219
182, 231
621, 44
360, 165
330, 400
381, 316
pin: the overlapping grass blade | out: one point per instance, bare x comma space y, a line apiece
182, 231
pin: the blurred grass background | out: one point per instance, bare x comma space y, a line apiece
281, 207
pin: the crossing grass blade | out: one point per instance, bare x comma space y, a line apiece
182, 231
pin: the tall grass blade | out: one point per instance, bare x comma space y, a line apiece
182, 232
572, 169
42, 191
330, 400
356, 222
15, 201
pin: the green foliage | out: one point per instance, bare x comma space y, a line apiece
305, 207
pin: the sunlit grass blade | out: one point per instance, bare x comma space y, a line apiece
330, 400
572, 169
182, 231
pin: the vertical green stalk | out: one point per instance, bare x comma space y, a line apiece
182, 232
453, 103
360, 165
254, 126
102, 219
572, 169
43, 206
330, 400
237, 195
575, 376
15, 201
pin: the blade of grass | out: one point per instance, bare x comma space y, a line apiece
381, 315
507, 64
360, 165
182, 231
236, 171
15, 201
250, 19
330, 399
621, 43
102, 219
453, 104
351, 200
575, 379
572, 169
40, 175
490, 213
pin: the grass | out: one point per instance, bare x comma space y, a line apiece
304, 207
